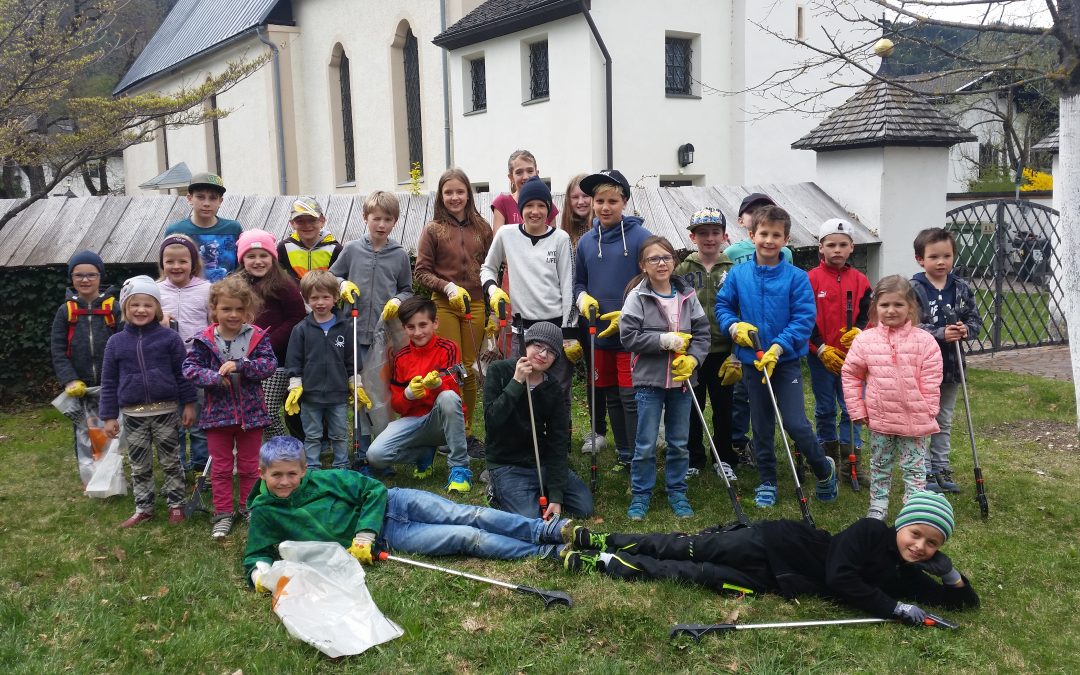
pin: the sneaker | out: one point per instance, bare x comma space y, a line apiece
680, 505
587, 442
475, 447
932, 484
639, 506
693, 471
176, 515
424, 467
460, 479
765, 496
587, 562
139, 517
579, 537
945, 480
743, 452
826, 490
876, 512
223, 523
365, 469
726, 469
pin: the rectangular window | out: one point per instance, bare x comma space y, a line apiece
478, 76
677, 66
538, 70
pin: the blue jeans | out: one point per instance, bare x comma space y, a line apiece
675, 405
787, 384
828, 396
740, 414
336, 416
427, 524
517, 490
409, 439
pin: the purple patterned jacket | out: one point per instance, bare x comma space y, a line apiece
224, 406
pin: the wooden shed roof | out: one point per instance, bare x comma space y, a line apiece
128, 229
1048, 144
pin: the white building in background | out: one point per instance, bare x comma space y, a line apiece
354, 93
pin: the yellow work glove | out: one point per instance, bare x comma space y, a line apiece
848, 336
730, 371
768, 361
497, 296
675, 341
361, 547
458, 297
741, 334
613, 327
432, 380
832, 358
361, 395
573, 350
416, 390
350, 292
491, 328
292, 401
588, 306
389, 310
257, 576
75, 389
682, 367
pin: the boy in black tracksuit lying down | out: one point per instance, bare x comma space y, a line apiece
869, 565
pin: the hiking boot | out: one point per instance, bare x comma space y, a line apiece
765, 496
680, 505
932, 484
139, 517
826, 490
223, 523
723, 468
587, 562
832, 449
587, 442
581, 538
475, 447
424, 466
176, 515
945, 480
639, 506
460, 479
692, 471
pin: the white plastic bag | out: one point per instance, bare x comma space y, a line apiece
389, 338
321, 598
108, 479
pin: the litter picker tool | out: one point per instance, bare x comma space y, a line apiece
734, 496
549, 597
980, 488
783, 434
594, 471
357, 463
699, 630
195, 501
853, 459
468, 331
502, 326
532, 425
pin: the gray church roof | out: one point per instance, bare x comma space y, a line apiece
194, 27
883, 114
1050, 143
129, 229
495, 18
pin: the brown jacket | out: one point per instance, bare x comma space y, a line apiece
452, 253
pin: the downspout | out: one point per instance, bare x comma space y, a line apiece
607, 81
446, 89
279, 113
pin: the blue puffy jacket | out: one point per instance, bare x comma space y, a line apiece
777, 299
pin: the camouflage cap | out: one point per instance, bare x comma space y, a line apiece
207, 180
306, 206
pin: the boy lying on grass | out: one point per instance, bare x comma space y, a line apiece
291, 504
870, 566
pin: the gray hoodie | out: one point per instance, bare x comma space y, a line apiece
643, 321
380, 275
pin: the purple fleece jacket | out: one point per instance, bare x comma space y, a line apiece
143, 364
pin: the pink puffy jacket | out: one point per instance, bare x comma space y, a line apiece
902, 371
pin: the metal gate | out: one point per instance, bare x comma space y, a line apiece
1007, 249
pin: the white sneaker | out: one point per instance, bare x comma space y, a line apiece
587, 445
222, 525
726, 468
692, 471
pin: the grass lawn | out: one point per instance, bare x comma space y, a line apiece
1025, 318
77, 594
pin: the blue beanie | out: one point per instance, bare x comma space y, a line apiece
86, 258
534, 189
928, 508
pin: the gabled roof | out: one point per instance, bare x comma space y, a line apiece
1048, 144
496, 18
195, 27
883, 114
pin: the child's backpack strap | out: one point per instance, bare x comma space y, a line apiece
74, 311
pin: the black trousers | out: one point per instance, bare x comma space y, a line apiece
708, 383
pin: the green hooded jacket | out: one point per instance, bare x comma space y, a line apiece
707, 284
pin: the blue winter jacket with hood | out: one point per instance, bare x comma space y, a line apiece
605, 263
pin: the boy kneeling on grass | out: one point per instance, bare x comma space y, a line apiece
291, 504
871, 566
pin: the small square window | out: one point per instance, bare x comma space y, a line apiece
678, 66
478, 78
538, 70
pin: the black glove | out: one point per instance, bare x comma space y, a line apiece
940, 566
909, 614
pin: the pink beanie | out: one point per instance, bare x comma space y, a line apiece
255, 239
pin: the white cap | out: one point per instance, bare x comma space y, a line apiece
836, 226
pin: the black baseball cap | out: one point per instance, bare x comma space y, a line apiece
753, 199
589, 183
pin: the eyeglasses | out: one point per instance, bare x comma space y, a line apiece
85, 277
658, 259
543, 350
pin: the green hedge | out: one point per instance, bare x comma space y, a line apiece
31, 296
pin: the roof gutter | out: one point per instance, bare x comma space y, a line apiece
607, 82
279, 121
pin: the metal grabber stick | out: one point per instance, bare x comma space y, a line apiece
853, 459
699, 630
594, 471
732, 494
980, 488
532, 424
